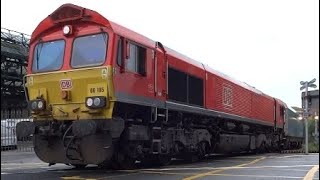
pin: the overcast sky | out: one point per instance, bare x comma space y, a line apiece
269, 44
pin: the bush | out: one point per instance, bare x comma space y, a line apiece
314, 147
313, 140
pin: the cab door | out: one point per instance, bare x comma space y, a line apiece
134, 77
160, 72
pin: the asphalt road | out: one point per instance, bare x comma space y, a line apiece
24, 165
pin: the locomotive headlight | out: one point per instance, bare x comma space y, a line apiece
40, 104
96, 102
36, 105
89, 102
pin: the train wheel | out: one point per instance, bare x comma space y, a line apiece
164, 160
128, 163
123, 161
148, 161
202, 150
157, 160
115, 165
105, 165
262, 149
191, 157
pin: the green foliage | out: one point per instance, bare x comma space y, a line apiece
313, 147
311, 126
313, 142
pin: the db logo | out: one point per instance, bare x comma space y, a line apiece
65, 84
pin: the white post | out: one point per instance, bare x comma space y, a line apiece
306, 118
316, 133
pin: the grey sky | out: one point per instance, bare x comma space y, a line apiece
264, 43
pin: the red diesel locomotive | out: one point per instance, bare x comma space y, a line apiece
103, 94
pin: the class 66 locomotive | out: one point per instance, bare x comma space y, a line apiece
102, 94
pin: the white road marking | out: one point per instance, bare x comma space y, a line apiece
257, 176
232, 167
4, 173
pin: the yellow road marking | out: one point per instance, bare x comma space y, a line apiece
76, 178
73, 178
155, 171
165, 173
310, 174
217, 168
120, 175
217, 171
258, 176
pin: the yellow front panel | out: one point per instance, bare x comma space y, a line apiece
78, 84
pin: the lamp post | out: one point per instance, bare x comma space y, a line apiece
305, 85
316, 131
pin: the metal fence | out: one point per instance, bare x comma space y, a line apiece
9, 138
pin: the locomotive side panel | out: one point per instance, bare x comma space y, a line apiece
231, 98
211, 85
262, 108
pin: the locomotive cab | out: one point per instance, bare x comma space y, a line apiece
69, 88
69, 73
84, 76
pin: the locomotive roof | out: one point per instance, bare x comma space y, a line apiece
134, 36
242, 84
123, 31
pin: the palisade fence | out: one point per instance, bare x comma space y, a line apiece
9, 138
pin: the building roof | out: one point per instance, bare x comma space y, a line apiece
313, 93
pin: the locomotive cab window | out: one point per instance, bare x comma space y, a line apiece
137, 59
120, 52
89, 50
48, 56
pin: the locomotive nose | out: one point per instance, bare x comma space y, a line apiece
72, 95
